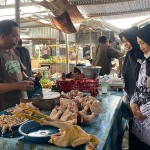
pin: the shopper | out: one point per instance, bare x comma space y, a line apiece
11, 68
103, 54
130, 71
25, 58
132, 62
140, 101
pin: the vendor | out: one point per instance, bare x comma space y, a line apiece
74, 74
11, 69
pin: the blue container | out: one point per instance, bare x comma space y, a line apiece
34, 132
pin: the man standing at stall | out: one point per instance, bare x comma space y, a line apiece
25, 58
12, 76
103, 55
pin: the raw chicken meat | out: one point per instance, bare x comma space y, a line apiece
29, 105
69, 108
64, 138
56, 113
7, 121
64, 102
72, 94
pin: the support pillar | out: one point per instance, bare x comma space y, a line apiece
67, 53
17, 14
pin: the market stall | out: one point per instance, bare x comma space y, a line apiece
108, 127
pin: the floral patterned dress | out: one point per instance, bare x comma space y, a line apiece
142, 97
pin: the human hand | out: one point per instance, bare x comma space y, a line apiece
25, 85
31, 79
137, 113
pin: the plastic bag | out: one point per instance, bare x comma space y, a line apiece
36, 92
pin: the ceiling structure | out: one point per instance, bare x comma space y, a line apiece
113, 14
105, 14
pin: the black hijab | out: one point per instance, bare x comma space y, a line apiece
131, 67
144, 34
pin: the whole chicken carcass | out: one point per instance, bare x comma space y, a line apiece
64, 104
72, 94
94, 106
56, 113
86, 119
69, 135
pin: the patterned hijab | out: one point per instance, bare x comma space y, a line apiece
131, 67
144, 34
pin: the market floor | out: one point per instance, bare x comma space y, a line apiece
125, 143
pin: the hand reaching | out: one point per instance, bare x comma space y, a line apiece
25, 85
137, 113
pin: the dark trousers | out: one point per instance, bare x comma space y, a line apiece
134, 142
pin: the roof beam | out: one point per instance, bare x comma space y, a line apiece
80, 3
38, 22
13, 5
112, 27
117, 13
30, 25
34, 39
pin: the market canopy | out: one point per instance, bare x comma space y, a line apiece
113, 14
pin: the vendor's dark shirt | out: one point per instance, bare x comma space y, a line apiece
10, 71
25, 59
69, 75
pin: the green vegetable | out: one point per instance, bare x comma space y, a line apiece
44, 81
104, 84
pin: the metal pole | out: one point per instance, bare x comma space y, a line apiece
17, 13
91, 43
67, 53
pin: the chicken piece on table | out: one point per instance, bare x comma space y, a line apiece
64, 138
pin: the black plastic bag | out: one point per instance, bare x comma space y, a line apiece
36, 92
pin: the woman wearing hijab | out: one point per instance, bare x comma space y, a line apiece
130, 71
140, 101
132, 62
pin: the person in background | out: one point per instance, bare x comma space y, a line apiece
87, 57
118, 46
130, 71
74, 74
45, 54
140, 101
109, 43
25, 58
103, 54
13, 80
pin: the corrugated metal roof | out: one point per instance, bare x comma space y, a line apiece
124, 16
112, 11
116, 7
80, 2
